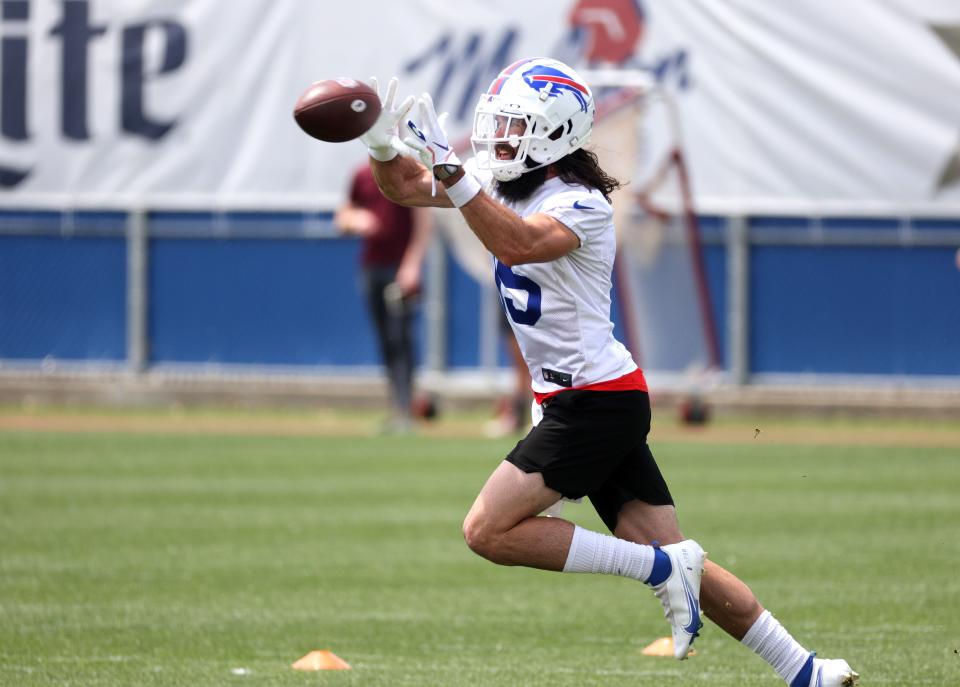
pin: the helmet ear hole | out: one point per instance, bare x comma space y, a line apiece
559, 131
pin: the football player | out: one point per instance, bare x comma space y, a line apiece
539, 202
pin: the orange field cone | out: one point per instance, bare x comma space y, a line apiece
321, 660
663, 647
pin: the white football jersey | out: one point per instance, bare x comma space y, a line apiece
560, 310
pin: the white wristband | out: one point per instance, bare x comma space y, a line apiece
382, 154
464, 190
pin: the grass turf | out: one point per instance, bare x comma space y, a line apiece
130, 559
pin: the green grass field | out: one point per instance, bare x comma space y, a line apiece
139, 559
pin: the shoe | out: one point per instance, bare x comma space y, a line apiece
680, 593
396, 425
500, 427
832, 672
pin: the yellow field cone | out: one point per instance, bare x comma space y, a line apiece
321, 660
663, 647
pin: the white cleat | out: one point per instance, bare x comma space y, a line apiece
680, 593
832, 672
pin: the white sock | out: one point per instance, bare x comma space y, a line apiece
592, 552
770, 640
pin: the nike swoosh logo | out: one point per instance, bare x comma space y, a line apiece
440, 145
416, 131
578, 206
694, 624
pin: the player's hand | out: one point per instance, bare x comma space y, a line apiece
357, 221
429, 137
383, 140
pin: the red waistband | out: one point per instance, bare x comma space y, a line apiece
632, 381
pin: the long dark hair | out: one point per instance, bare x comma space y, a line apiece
580, 167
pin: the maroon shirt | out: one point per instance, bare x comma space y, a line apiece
387, 245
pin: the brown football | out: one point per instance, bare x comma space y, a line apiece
337, 110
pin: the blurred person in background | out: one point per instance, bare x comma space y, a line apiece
395, 240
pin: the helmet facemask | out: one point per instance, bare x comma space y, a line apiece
501, 139
504, 136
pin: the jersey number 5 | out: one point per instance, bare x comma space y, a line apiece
517, 282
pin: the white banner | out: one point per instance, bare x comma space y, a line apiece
818, 102
189, 101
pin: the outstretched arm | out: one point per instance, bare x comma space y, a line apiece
406, 182
514, 240
401, 179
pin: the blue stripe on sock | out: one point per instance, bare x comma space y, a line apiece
803, 677
661, 568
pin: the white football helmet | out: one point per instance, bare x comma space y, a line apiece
540, 108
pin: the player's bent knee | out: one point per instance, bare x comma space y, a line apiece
481, 537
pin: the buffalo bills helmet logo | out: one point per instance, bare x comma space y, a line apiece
538, 77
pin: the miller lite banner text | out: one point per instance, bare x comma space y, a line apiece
190, 101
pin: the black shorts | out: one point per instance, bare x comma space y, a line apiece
594, 443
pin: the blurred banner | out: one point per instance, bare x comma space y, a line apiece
189, 101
